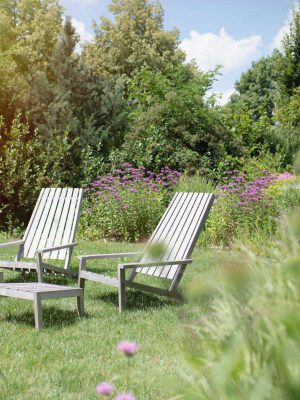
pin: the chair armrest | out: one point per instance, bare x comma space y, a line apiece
154, 264
9, 244
103, 256
55, 248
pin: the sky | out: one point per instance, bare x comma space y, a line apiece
233, 33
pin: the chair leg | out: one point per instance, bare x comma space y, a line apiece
122, 293
80, 305
1, 277
81, 283
38, 313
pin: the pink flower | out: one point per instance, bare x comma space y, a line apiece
104, 389
128, 348
125, 396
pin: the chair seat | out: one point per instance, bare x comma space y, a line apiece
43, 290
16, 265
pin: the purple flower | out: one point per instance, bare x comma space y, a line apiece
125, 396
104, 389
128, 348
284, 176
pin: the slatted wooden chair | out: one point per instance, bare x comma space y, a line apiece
50, 233
176, 234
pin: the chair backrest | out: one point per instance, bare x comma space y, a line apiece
178, 231
53, 222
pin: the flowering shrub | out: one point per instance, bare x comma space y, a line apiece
247, 205
126, 204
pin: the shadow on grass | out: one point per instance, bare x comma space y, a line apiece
53, 318
48, 278
137, 300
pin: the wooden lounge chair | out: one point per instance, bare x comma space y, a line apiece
50, 233
37, 292
176, 234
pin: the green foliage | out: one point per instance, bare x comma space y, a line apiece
171, 122
26, 165
289, 58
126, 204
134, 39
109, 218
249, 205
256, 88
247, 345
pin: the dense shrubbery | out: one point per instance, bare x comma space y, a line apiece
249, 204
127, 204
136, 101
247, 345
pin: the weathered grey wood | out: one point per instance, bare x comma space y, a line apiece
153, 289
107, 256
177, 231
37, 292
49, 249
42, 215
70, 222
80, 305
39, 267
19, 265
38, 312
92, 276
53, 223
155, 263
121, 286
67, 198
10, 244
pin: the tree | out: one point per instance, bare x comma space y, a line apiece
135, 39
171, 122
256, 88
289, 58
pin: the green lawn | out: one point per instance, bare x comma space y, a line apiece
70, 356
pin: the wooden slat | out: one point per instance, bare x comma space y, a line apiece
183, 232
189, 241
68, 193
44, 237
34, 221
69, 223
178, 231
18, 265
56, 221
92, 276
165, 226
170, 227
41, 225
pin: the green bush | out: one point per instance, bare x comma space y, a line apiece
127, 204
26, 165
247, 344
250, 204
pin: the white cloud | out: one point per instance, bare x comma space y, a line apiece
209, 49
81, 30
226, 96
277, 41
221, 98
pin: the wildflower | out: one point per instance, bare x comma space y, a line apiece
125, 396
128, 348
104, 389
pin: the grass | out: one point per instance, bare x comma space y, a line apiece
70, 356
